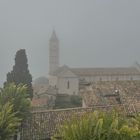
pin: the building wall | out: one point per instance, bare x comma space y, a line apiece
110, 77
68, 85
53, 80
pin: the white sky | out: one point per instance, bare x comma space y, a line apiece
92, 33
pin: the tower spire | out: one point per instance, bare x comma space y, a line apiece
54, 36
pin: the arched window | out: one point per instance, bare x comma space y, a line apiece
68, 85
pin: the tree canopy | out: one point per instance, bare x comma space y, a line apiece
20, 73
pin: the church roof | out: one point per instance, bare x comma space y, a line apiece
60, 69
64, 71
99, 71
105, 71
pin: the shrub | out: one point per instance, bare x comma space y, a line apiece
8, 121
99, 126
17, 96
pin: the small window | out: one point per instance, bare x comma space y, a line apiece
68, 85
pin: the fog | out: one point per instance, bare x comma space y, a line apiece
92, 33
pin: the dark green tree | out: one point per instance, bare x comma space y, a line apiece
20, 73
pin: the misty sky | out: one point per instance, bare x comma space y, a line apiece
92, 33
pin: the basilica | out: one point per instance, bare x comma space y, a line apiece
67, 80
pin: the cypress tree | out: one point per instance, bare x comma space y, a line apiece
20, 73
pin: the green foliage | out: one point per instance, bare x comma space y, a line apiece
8, 121
76, 100
20, 73
100, 126
14, 107
68, 101
17, 96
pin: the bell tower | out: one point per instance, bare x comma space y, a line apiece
53, 53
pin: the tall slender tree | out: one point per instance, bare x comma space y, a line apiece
20, 72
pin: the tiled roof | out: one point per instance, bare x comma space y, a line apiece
39, 102
60, 69
105, 71
104, 93
99, 71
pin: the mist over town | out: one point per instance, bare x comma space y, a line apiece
91, 34
70, 70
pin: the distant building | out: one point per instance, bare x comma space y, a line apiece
67, 80
40, 85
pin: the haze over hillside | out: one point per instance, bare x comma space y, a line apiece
92, 33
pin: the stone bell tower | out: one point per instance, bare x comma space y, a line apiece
53, 53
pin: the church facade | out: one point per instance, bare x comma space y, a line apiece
67, 80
